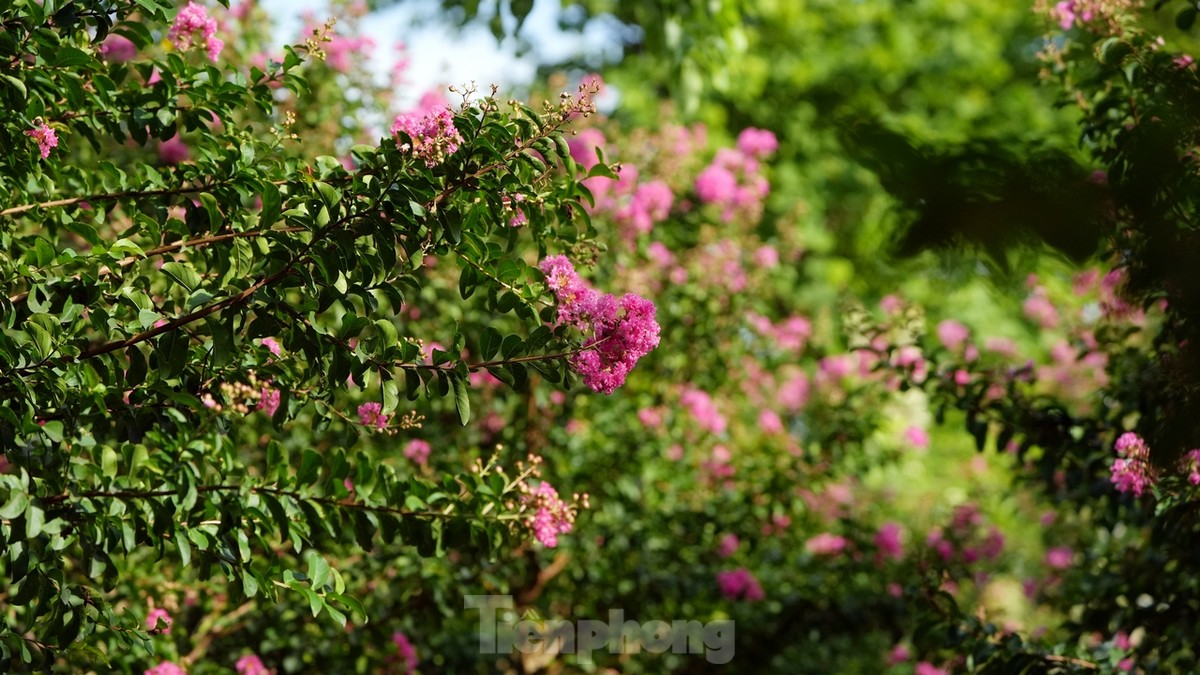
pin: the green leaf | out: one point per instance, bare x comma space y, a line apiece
272, 202
182, 274
489, 343
462, 399
209, 203
513, 346
1186, 18
35, 519
318, 570
310, 466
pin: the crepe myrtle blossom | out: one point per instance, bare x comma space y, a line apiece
192, 20
621, 330
1131, 472
739, 584
1191, 466
406, 652
551, 515
153, 618
250, 664
432, 134
46, 138
371, 415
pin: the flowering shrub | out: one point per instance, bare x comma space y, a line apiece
280, 384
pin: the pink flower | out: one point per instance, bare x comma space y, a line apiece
552, 516
651, 418
887, 540
269, 401
651, 204
250, 664
191, 20
46, 138
757, 142
1065, 13
417, 451
153, 617
1191, 464
1059, 557
340, 49
1040, 309
704, 410
173, 151
917, 437
433, 134
993, 544
1132, 472
166, 668
927, 668
898, 655
118, 49
371, 414
952, 334
739, 584
769, 422
728, 545
583, 147
406, 652
271, 345
716, 185
766, 257
826, 544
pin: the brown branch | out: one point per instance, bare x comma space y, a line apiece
193, 243
112, 196
185, 319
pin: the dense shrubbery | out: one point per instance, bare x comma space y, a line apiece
284, 376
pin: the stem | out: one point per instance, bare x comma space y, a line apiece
114, 196
185, 319
278, 492
168, 248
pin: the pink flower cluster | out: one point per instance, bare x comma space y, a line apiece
371, 415
118, 49
728, 545
166, 668
552, 516
1131, 472
732, 181
739, 584
269, 401
418, 451
622, 330
704, 410
433, 134
46, 138
961, 542
1064, 12
153, 617
650, 204
826, 543
887, 541
340, 49
406, 652
790, 334
1191, 465
191, 20
250, 664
